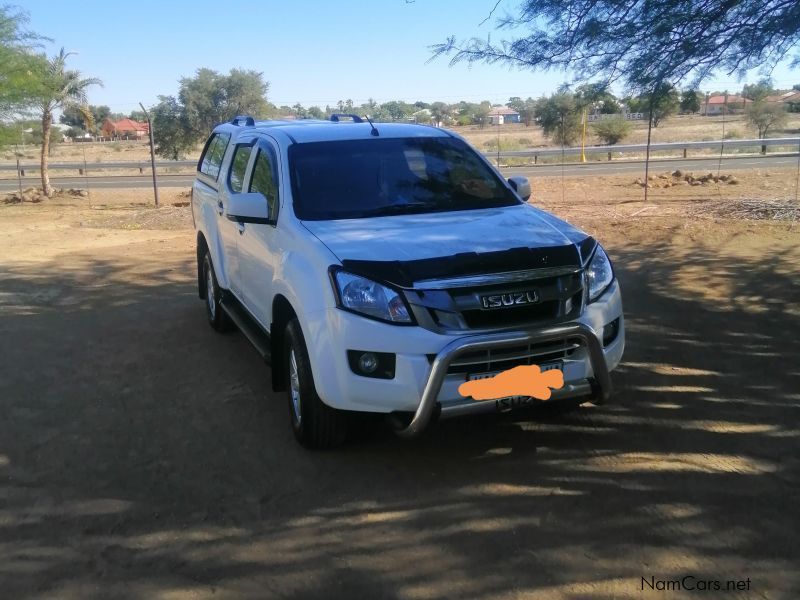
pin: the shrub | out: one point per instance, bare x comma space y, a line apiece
612, 130
733, 134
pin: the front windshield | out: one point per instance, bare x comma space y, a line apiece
379, 177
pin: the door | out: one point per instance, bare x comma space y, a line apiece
212, 183
259, 255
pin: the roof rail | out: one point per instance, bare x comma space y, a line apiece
248, 120
335, 117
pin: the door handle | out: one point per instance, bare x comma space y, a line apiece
220, 207
240, 227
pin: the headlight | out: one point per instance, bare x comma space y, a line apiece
599, 273
369, 298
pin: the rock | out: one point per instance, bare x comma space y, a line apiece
732, 180
688, 177
724, 177
651, 178
695, 182
84, 193
677, 173
639, 181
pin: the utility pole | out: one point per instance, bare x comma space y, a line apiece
152, 152
583, 138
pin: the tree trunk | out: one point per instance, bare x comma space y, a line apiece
47, 121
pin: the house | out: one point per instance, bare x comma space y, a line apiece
124, 128
790, 99
502, 114
719, 104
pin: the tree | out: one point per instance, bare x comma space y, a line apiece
691, 101
612, 130
765, 116
75, 116
441, 113
560, 117
525, 108
135, 115
19, 65
758, 91
203, 101
59, 87
172, 133
639, 44
315, 112
398, 110
660, 104
209, 98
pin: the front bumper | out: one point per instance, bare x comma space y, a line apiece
331, 332
598, 386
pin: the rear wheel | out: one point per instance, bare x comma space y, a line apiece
315, 424
216, 315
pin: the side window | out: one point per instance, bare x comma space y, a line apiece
212, 155
265, 179
241, 156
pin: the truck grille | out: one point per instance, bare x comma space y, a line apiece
485, 361
559, 299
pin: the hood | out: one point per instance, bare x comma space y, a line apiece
405, 248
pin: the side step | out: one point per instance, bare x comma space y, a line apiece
248, 326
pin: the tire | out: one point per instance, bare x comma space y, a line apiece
315, 424
214, 311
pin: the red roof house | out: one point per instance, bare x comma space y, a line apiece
124, 128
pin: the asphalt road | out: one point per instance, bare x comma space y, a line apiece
572, 170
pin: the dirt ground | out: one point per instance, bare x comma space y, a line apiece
143, 455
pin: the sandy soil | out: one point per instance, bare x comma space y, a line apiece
144, 456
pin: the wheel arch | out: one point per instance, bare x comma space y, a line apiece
202, 248
282, 313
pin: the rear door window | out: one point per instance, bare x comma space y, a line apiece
241, 157
214, 151
265, 178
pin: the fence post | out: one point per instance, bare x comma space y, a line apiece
535, 158
684, 153
609, 156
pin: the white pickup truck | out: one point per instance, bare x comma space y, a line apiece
377, 267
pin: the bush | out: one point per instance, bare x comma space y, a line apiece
612, 130
733, 134
525, 142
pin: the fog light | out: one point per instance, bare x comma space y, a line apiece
368, 362
378, 365
610, 332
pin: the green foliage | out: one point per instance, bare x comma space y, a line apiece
612, 130
766, 116
210, 98
758, 91
525, 108
135, 115
204, 101
663, 103
639, 44
20, 67
75, 116
691, 101
560, 117
172, 133
315, 112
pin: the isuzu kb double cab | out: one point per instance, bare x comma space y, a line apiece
377, 267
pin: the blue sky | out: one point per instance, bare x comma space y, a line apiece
309, 51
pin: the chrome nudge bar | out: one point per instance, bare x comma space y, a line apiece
457, 347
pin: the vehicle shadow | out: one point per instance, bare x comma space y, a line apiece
143, 455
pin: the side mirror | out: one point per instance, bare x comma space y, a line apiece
521, 185
249, 207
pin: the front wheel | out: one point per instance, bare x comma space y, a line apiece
314, 423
